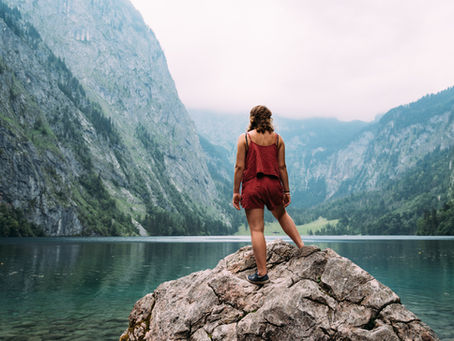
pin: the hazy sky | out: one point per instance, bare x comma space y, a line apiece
346, 59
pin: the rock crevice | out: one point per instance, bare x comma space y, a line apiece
312, 295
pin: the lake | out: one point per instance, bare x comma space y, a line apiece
85, 288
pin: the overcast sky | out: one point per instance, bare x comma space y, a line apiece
346, 59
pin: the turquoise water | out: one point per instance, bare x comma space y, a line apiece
84, 289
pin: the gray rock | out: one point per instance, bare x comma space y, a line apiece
312, 295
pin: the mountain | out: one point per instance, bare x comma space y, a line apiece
220, 128
386, 149
407, 186
328, 158
390, 176
49, 131
223, 129
419, 201
95, 141
91, 124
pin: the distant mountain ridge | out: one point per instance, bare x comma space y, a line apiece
325, 133
331, 159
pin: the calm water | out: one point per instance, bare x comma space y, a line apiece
81, 289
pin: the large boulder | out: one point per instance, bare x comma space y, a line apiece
312, 295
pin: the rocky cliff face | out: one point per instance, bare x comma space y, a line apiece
313, 295
114, 64
39, 166
119, 61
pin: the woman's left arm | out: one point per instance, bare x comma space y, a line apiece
239, 168
283, 172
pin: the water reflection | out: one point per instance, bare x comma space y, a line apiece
52, 290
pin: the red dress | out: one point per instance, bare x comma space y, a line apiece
261, 183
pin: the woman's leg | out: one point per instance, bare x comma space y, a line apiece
287, 225
257, 226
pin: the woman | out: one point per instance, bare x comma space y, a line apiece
260, 168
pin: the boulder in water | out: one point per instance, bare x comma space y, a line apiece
312, 295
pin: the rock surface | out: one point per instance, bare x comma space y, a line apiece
312, 295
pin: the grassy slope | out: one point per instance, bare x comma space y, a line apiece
274, 229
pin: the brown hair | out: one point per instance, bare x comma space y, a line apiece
260, 119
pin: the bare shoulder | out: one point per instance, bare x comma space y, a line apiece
241, 139
280, 141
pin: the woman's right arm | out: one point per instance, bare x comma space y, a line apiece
283, 171
239, 168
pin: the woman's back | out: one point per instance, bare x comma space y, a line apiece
262, 139
262, 156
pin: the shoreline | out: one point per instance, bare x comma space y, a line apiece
219, 239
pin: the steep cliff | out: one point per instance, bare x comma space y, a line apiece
140, 146
54, 142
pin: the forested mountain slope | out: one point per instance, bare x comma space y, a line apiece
381, 151
113, 123
419, 201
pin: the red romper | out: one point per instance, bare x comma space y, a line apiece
261, 183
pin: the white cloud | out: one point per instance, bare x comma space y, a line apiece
348, 59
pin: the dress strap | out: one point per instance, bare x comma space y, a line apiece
247, 146
277, 140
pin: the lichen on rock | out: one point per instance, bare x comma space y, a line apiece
312, 295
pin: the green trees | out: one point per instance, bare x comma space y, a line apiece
11, 17
14, 224
161, 222
411, 204
437, 222
98, 210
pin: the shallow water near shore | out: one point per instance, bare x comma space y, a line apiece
85, 288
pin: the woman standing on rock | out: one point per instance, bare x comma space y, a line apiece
260, 168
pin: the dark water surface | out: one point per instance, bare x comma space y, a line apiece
84, 288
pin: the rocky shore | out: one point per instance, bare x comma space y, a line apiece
313, 295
